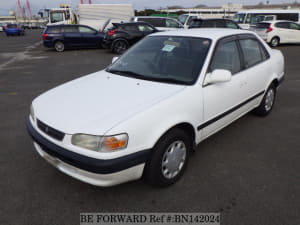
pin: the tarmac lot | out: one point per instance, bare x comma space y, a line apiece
249, 171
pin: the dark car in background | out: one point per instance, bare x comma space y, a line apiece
122, 35
61, 37
211, 23
14, 29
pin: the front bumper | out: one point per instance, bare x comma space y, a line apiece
90, 170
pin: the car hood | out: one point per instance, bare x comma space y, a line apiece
95, 103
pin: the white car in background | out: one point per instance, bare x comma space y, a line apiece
145, 113
278, 32
160, 23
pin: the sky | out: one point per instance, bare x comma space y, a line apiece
5, 5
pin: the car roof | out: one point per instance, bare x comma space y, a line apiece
151, 17
131, 23
202, 19
210, 33
276, 21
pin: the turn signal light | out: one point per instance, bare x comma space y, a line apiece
113, 143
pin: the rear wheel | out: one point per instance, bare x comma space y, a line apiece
120, 46
274, 42
267, 102
169, 159
59, 46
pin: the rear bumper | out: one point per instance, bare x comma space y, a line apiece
94, 171
106, 43
48, 44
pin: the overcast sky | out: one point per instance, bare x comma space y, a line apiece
6, 5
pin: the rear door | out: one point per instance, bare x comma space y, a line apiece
257, 66
282, 30
71, 36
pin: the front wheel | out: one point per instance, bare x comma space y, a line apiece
120, 46
59, 46
169, 159
267, 102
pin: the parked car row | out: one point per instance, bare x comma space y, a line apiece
120, 36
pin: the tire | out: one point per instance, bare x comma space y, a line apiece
267, 102
59, 46
169, 159
120, 46
274, 42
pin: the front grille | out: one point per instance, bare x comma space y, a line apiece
56, 134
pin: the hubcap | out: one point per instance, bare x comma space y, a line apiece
59, 46
269, 100
274, 42
120, 46
173, 159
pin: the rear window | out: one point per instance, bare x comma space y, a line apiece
53, 30
263, 25
12, 26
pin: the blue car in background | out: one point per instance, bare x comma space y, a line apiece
14, 29
61, 37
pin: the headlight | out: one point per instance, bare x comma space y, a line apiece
100, 143
32, 113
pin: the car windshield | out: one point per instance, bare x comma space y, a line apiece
56, 17
239, 17
182, 18
170, 59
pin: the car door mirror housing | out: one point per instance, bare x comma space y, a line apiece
114, 59
218, 76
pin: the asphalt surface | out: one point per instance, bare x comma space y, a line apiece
249, 171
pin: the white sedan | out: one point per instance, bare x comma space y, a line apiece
278, 32
145, 113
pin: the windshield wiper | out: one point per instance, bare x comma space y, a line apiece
126, 73
143, 77
169, 80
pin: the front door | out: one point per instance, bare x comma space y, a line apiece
221, 100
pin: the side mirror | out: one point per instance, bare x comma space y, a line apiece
114, 59
218, 76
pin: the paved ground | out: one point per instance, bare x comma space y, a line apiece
249, 171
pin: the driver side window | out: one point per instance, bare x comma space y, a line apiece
226, 57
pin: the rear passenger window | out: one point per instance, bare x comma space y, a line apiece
282, 25
294, 26
227, 57
253, 52
130, 28
70, 29
86, 30
53, 30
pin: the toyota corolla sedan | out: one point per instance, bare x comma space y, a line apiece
145, 113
